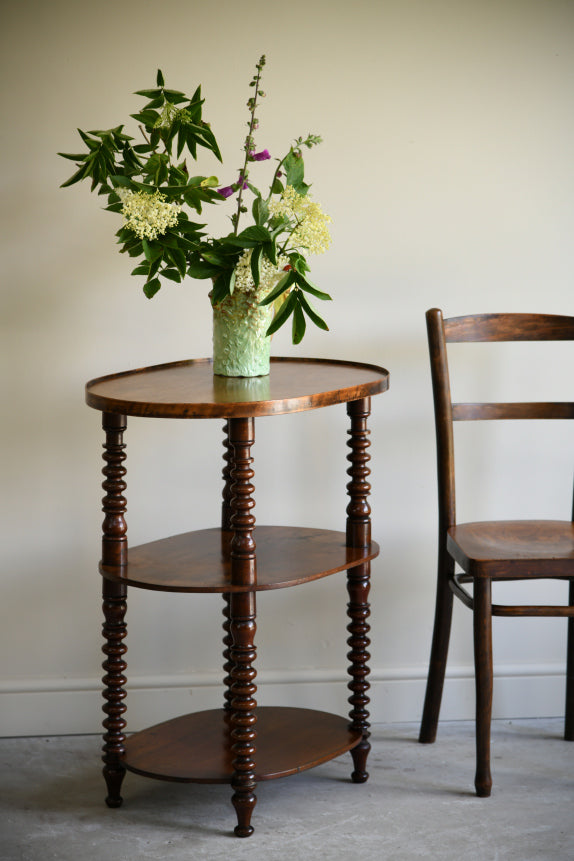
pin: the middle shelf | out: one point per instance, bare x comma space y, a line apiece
199, 561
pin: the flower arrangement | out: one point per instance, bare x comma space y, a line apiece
151, 186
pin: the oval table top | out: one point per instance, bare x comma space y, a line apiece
190, 389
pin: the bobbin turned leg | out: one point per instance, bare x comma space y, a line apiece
114, 631
358, 582
243, 626
225, 550
114, 594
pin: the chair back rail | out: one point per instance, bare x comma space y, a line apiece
509, 327
483, 328
531, 410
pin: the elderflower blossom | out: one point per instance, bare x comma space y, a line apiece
269, 275
148, 215
311, 231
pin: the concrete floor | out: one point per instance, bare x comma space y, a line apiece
418, 803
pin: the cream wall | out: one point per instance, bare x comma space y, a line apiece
447, 169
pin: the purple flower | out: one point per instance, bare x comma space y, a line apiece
260, 156
226, 191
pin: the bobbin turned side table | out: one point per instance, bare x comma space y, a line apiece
239, 744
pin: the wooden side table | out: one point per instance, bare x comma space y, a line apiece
239, 744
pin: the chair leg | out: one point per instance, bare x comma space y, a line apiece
483, 681
439, 651
569, 721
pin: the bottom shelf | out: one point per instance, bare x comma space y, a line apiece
195, 748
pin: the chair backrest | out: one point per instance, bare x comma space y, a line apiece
480, 328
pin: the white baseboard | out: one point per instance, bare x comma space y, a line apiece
73, 706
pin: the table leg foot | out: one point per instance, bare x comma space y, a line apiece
244, 806
114, 778
360, 754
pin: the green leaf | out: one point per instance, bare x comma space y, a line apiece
190, 141
73, 157
241, 243
283, 315
210, 141
146, 250
189, 226
149, 94
306, 285
299, 263
221, 288
255, 264
150, 288
159, 78
294, 170
142, 269
260, 211
80, 174
155, 266
196, 101
172, 274
178, 258
148, 118
312, 314
202, 270
117, 180
270, 249
174, 97
283, 284
277, 187
214, 259
299, 324
155, 103
181, 141
169, 240
255, 233
162, 174
151, 250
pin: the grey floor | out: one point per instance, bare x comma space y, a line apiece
418, 803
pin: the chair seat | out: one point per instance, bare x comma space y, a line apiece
508, 548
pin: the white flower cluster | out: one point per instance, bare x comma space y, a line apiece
269, 275
311, 231
148, 215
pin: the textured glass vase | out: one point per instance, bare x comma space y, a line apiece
240, 346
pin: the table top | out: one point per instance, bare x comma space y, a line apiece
190, 389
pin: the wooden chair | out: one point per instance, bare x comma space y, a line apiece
494, 550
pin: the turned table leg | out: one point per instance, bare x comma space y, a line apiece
242, 626
114, 594
358, 582
225, 552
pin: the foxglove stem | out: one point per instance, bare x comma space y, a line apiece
252, 125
